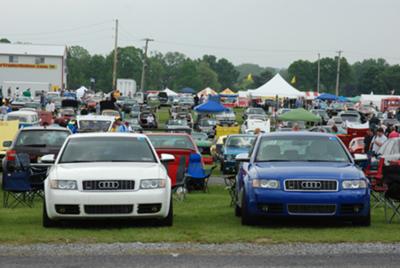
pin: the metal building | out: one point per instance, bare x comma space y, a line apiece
38, 67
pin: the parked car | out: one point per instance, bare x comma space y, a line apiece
180, 145
34, 141
144, 122
321, 113
327, 129
202, 142
107, 175
163, 97
134, 124
288, 125
357, 145
227, 116
8, 130
109, 112
19, 103
25, 118
177, 124
250, 125
94, 123
252, 110
350, 116
335, 120
301, 174
127, 105
234, 145
135, 111
186, 101
207, 125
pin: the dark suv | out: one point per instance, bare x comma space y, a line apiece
36, 142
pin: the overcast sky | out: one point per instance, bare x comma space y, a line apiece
269, 33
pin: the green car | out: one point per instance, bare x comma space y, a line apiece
202, 142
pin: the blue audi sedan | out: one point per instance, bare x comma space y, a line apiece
301, 174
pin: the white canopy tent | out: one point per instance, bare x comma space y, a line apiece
80, 92
207, 91
277, 86
170, 92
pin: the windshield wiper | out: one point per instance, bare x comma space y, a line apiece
76, 161
276, 160
34, 145
325, 161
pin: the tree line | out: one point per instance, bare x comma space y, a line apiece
176, 71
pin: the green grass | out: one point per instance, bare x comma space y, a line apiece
204, 218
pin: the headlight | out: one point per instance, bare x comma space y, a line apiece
268, 184
152, 184
63, 184
354, 184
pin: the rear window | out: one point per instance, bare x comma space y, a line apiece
171, 141
41, 138
22, 119
94, 125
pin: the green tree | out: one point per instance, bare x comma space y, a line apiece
5, 40
259, 80
78, 59
391, 76
305, 74
369, 76
227, 74
207, 76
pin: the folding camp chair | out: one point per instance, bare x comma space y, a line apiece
17, 189
230, 182
391, 177
196, 176
378, 187
180, 187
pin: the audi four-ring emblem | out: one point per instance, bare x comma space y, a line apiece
311, 185
108, 185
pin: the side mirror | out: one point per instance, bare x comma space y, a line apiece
7, 143
244, 157
165, 158
48, 159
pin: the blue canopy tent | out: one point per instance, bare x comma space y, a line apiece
210, 107
188, 90
327, 96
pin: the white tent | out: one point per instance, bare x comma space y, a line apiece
277, 86
170, 92
207, 91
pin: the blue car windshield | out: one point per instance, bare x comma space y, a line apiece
240, 141
301, 148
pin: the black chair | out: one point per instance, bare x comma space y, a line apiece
391, 178
180, 187
17, 189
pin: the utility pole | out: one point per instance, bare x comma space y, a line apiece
114, 81
338, 72
319, 72
144, 67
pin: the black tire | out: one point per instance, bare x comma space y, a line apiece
46, 221
363, 221
246, 218
169, 220
238, 211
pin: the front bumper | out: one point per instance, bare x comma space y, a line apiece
279, 203
137, 198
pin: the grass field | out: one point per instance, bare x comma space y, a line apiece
204, 218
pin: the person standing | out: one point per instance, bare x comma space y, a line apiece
368, 140
378, 140
51, 107
43, 99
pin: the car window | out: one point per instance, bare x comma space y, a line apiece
94, 125
107, 149
41, 138
240, 141
301, 148
21, 118
171, 141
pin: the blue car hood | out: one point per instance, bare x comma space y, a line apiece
315, 170
235, 151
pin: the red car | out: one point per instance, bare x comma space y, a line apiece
356, 145
178, 144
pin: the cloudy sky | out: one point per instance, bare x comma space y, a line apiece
266, 32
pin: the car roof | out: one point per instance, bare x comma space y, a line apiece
22, 113
297, 134
106, 134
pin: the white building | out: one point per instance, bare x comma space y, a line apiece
38, 67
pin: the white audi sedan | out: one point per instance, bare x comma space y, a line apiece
107, 175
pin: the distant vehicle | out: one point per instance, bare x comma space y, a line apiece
357, 145
207, 125
177, 123
327, 129
202, 142
26, 118
301, 175
144, 122
19, 103
253, 110
185, 116
335, 120
321, 113
109, 112
126, 107
257, 116
282, 111
92, 179
64, 116
135, 111
94, 123
335, 108
134, 124
350, 116
186, 101
288, 126
126, 86
163, 97
250, 125
391, 104
226, 116
153, 101
234, 145
367, 109
180, 145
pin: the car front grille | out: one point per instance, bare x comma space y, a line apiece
108, 185
311, 209
311, 185
108, 209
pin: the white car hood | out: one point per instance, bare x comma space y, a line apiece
99, 171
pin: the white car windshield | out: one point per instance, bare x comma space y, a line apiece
301, 148
107, 149
94, 125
